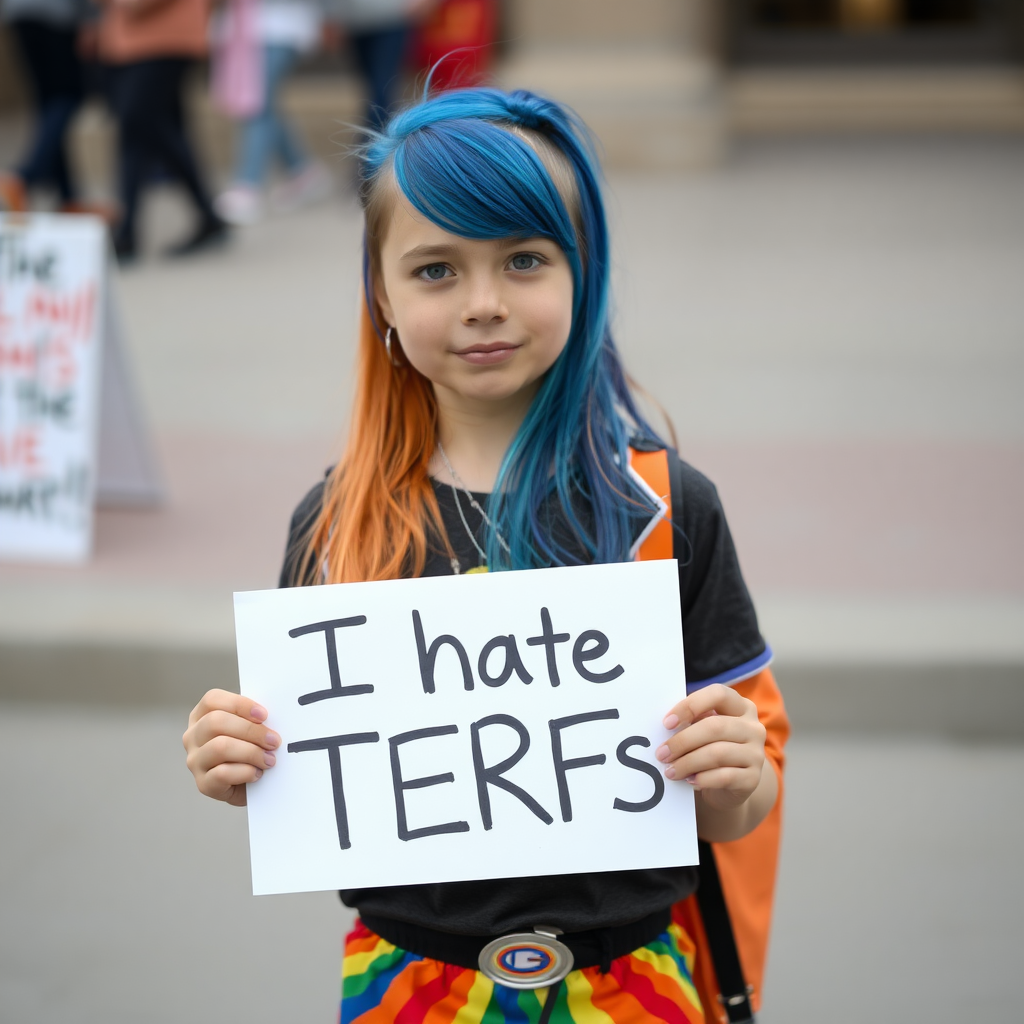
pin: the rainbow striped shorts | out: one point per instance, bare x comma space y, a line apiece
382, 984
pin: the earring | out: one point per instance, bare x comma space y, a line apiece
387, 345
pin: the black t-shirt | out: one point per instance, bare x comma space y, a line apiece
721, 643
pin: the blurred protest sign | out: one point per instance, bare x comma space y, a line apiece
69, 428
480, 726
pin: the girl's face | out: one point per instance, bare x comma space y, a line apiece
483, 320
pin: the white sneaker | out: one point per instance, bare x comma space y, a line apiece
239, 205
311, 185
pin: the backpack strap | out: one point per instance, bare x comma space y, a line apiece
662, 471
734, 993
653, 466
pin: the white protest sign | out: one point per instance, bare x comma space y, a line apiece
480, 726
60, 351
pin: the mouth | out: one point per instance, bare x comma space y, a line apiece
489, 353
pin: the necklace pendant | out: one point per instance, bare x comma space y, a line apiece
456, 568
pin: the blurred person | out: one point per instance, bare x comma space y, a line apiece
256, 44
47, 33
494, 428
149, 46
457, 41
380, 33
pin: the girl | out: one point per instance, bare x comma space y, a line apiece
493, 429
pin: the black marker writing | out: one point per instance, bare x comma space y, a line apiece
548, 639
556, 725
492, 775
333, 745
513, 662
401, 785
428, 656
640, 766
581, 653
327, 628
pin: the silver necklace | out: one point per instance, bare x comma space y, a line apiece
474, 504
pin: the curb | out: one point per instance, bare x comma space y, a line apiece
965, 699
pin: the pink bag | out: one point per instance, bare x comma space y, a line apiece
236, 61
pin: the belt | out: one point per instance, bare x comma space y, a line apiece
523, 959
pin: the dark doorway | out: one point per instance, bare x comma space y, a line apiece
877, 31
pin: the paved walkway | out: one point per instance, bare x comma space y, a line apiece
834, 328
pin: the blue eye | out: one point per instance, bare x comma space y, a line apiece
524, 261
435, 272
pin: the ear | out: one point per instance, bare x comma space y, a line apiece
380, 295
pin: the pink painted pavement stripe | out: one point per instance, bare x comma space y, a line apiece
903, 516
856, 517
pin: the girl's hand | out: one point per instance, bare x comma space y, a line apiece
719, 750
227, 745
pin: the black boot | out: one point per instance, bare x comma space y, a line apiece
125, 248
211, 234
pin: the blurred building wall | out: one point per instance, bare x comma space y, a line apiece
876, 65
646, 75
663, 84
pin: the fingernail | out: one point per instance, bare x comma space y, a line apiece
273, 740
670, 772
269, 760
671, 721
258, 713
662, 752
691, 779
259, 772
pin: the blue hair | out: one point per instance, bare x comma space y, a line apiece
459, 159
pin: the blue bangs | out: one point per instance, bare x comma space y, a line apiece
455, 161
476, 180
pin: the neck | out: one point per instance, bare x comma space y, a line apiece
476, 436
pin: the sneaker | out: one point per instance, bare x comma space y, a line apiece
211, 234
13, 194
311, 185
239, 205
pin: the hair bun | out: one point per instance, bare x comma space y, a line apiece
529, 110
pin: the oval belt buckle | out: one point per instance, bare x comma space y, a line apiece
527, 959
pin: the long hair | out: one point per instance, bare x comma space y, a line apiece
485, 164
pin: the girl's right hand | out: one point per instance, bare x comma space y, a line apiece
227, 745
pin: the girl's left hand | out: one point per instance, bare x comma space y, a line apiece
719, 748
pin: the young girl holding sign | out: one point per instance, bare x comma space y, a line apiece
494, 429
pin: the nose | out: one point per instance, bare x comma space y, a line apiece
484, 303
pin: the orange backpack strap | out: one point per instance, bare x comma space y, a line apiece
653, 468
746, 867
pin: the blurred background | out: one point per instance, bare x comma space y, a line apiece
818, 228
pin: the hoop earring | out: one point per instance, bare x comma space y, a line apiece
387, 346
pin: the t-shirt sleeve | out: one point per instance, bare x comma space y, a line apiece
293, 572
721, 639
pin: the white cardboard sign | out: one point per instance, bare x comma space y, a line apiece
465, 727
60, 354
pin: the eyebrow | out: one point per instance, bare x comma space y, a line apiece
420, 252
446, 250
